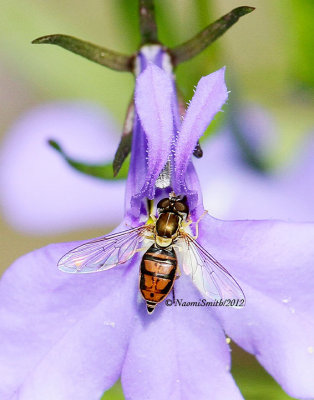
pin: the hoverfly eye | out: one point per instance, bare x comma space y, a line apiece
164, 203
181, 207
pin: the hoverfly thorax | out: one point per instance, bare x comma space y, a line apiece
172, 211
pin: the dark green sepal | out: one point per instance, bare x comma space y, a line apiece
101, 171
207, 36
122, 153
100, 55
148, 27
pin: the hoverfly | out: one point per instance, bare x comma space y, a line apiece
158, 239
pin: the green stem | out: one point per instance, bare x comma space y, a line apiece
148, 25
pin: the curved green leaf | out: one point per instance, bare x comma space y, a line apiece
101, 171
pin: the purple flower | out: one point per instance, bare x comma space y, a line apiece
67, 336
40, 193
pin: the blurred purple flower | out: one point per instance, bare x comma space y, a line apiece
234, 190
71, 336
40, 192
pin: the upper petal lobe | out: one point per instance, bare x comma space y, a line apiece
210, 95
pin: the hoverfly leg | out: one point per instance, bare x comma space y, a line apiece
187, 223
197, 222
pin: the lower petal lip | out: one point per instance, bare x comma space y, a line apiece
73, 326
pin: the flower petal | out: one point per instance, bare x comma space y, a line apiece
178, 353
63, 336
137, 172
273, 262
153, 99
51, 195
211, 93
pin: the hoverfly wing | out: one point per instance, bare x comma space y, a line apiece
104, 253
208, 275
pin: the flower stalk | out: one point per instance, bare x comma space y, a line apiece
148, 26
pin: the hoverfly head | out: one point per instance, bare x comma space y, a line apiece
174, 204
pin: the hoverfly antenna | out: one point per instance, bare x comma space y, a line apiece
172, 195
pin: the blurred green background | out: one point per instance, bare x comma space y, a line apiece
269, 58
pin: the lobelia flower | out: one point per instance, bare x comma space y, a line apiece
231, 189
71, 336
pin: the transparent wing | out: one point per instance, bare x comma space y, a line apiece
209, 276
105, 253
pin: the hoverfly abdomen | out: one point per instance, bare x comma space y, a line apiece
157, 275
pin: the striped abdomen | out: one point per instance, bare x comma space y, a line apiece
157, 275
